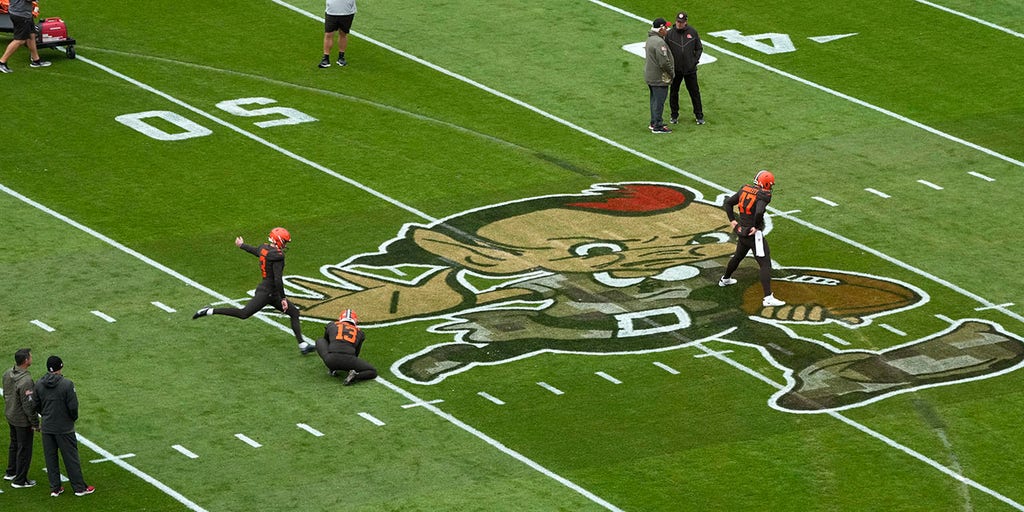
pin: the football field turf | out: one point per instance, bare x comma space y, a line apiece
535, 271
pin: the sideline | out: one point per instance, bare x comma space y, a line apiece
136, 471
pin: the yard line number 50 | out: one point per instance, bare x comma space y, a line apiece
188, 129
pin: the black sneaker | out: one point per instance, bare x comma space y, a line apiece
4, 68
674, 120
700, 120
56, 492
351, 377
203, 312
325, 62
88, 490
39, 63
342, 62
660, 129
306, 347
26, 483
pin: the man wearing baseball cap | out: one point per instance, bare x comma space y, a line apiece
56, 401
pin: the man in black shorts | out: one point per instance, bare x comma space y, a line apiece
271, 288
340, 346
24, 34
752, 201
338, 18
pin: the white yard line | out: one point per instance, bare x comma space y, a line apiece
972, 18
135, 471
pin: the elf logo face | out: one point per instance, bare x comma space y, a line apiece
627, 268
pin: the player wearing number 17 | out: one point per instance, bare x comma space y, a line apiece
340, 347
751, 201
271, 289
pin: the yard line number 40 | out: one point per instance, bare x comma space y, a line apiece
188, 129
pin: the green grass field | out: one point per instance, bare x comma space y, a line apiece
534, 354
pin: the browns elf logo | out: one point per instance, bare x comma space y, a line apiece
627, 268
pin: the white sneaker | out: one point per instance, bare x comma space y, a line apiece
770, 301
726, 282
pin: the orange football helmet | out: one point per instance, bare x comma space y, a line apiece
280, 237
765, 179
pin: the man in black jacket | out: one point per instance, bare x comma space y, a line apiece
684, 43
56, 401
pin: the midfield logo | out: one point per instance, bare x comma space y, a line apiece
629, 268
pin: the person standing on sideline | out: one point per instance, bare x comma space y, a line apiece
271, 288
23, 20
658, 73
340, 346
57, 402
752, 201
684, 43
22, 418
337, 19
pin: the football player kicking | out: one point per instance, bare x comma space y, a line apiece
271, 289
752, 201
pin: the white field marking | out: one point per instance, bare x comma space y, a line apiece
945, 318
829, 39
248, 440
826, 201
929, 184
164, 307
873, 433
113, 457
62, 477
806, 82
551, 388
421, 404
883, 195
710, 353
135, 471
835, 338
501, 447
369, 417
980, 175
109, 319
310, 429
996, 306
41, 325
258, 139
972, 18
185, 451
892, 329
667, 368
491, 398
608, 378
137, 255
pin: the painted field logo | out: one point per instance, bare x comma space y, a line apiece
629, 268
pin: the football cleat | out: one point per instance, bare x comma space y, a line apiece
203, 312
726, 282
770, 301
306, 347
349, 316
765, 179
279, 237
351, 377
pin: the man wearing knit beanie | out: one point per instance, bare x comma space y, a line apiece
57, 402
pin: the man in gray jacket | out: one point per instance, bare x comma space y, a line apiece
659, 69
55, 399
21, 416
